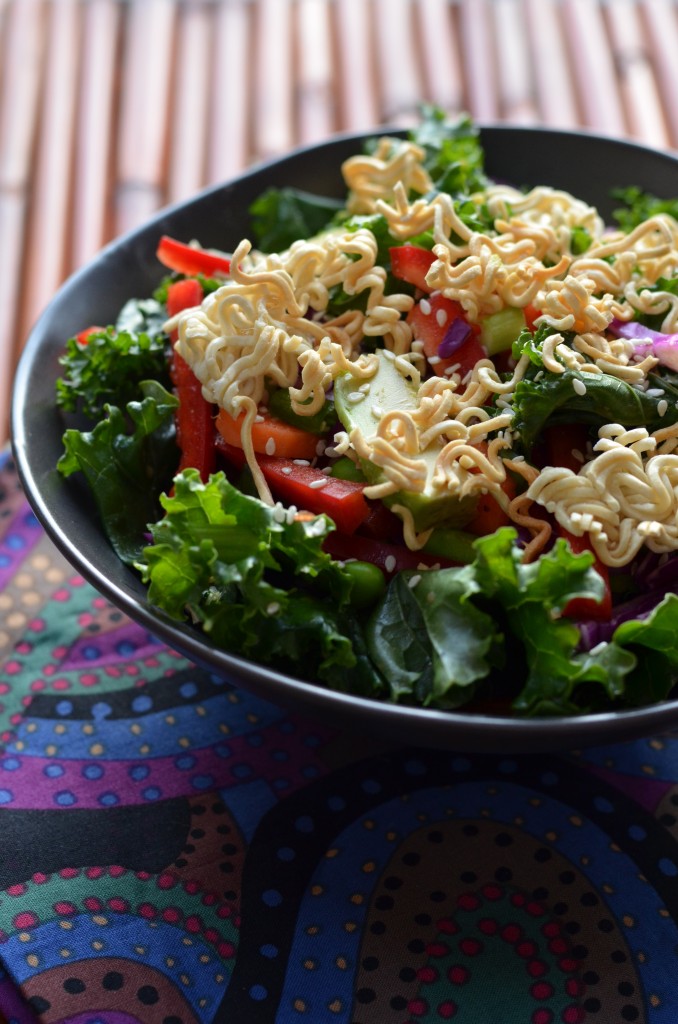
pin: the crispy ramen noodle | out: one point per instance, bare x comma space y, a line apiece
269, 323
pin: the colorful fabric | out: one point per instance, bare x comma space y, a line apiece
174, 850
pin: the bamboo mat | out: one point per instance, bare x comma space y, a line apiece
110, 109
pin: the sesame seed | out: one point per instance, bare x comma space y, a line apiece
413, 581
355, 396
258, 419
365, 388
320, 482
655, 392
301, 462
320, 448
270, 446
425, 307
576, 454
662, 407
286, 470
273, 608
377, 411
390, 563
441, 317
434, 360
579, 386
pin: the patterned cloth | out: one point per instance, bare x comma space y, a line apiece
174, 850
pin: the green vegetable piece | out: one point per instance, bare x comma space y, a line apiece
346, 469
500, 331
453, 545
368, 583
280, 404
127, 470
109, 368
389, 389
281, 216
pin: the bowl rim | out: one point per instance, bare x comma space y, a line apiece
470, 731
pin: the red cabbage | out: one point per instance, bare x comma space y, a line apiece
455, 336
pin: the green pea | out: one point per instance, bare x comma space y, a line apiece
346, 469
368, 583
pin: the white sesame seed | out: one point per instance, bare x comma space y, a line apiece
270, 446
326, 470
441, 317
287, 470
331, 452
579, 386
434, 360
576, 454
377, 412
355, 396
389, 563
413, 581
425, 307
365, 388
273, 608
258, 419
655, 392
320, 482
320, 448
301, 462
662, 407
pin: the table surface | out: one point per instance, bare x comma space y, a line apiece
172, 849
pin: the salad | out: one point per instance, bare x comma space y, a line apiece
420, 444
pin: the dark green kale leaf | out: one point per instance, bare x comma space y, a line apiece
281, 216
638, 206
110, 367
454, 156
126, 470
219, 556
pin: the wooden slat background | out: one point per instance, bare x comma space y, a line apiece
110, 109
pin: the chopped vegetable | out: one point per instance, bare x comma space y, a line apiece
191, 259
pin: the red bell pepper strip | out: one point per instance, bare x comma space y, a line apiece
430, 324
411, 263
83, 336
187, 259
307, 487
194, 416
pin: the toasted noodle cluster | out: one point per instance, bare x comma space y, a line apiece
268, 325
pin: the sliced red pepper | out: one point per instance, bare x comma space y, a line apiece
382, 524
390, 558
187, 259
307, 487
411, 263
563, 441
194, 416
183, 295
83, 336
430, 324
531, 313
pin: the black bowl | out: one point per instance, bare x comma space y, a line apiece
588, 166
